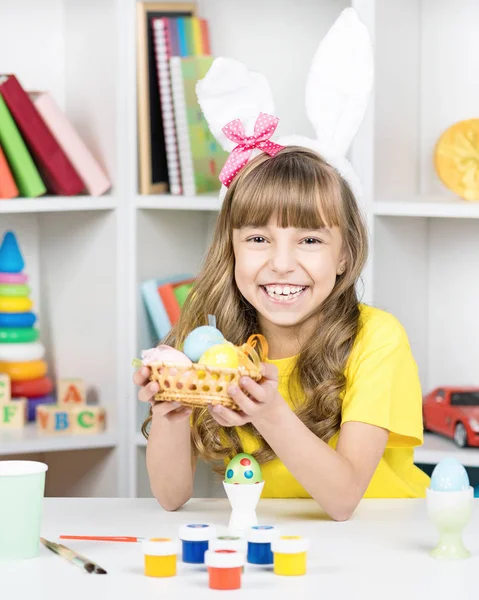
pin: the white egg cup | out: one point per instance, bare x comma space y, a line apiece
243, 499
450, 512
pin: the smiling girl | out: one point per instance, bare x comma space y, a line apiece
340, 409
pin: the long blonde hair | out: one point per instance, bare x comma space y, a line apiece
301, 190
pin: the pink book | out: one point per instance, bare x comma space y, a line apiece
96, 182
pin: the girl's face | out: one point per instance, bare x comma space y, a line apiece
286, 273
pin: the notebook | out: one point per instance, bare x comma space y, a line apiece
57, 171
24, 170
96, 182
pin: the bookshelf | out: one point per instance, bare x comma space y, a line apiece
88, 255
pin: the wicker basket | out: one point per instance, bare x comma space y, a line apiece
198, 385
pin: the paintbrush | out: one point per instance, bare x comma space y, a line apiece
76, 559
103, 538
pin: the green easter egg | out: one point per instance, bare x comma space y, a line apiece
243, 469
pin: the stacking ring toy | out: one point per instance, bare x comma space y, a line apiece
34, 402
20, 319
21, 352
17, 371
8, 304
18, 335
16, 290
32, 388
13, 278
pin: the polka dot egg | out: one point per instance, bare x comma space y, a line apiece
243, 469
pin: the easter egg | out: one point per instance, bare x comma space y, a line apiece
164, 353
221, 355
200, 339
243, 469
449, 476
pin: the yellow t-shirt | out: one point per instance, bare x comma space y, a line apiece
383, 389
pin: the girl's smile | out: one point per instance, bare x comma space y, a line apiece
284, 293
286, 273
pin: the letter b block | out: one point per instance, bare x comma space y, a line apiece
53, 419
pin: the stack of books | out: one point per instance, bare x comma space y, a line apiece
40, 151
183, 56
163, 299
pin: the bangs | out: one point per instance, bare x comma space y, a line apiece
296, 187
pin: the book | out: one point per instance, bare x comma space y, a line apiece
158, 317
57, 171
8, 188
161, 37
24, 170
95, 180
169, 298
201, 156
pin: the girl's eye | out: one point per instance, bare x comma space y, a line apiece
311, 241
257, 239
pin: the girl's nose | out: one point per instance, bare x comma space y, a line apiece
282, 261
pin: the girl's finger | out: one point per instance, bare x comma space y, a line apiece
148, 391
253, 389
231, 417
141, 376
179, 414
246, 404
269, 371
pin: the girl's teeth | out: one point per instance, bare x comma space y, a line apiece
283, 292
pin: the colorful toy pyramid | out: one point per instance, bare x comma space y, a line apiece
21, 352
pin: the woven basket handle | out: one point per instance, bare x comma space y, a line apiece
258, 339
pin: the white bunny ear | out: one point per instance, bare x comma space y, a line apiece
229, 91
340, 82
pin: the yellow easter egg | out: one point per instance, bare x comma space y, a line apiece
456, 159
220, 355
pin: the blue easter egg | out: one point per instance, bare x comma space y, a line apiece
449, 476
200, 339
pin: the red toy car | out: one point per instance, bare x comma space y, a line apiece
453, 412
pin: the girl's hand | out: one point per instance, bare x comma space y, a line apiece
172, 411
263, 400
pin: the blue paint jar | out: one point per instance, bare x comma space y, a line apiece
259, 538
195, 538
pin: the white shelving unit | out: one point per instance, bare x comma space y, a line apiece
87, 256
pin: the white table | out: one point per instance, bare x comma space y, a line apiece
382, 552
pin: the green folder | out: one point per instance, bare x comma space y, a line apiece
25, 172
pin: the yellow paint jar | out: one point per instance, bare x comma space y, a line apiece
160, 557
290, 553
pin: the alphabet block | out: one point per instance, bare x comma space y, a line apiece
13, 414
53, 419
71, 392
87, 419
5, 388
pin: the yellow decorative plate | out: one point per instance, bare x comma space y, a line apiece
456, 159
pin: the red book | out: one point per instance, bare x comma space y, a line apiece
57, 171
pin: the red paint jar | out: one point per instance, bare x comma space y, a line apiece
224, 569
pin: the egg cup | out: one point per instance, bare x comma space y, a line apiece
450, 512
243, 499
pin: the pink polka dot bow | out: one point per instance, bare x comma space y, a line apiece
264, 128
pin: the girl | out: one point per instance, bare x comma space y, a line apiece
339, 410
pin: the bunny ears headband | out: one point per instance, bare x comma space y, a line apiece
238, 104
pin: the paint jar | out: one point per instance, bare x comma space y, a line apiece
290, 555
259, 538
224, 569
195, 538
160, 557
